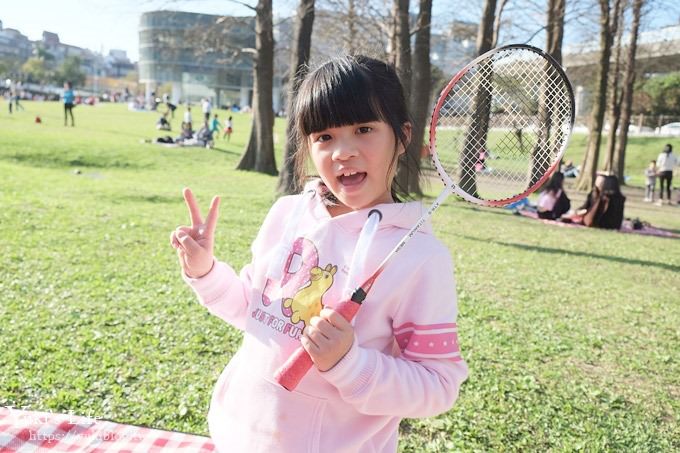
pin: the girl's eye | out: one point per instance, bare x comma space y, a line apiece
322, 138
365, 129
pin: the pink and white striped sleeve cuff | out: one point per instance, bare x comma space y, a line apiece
430, 341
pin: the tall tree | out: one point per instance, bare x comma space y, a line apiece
476, 136
259, 152
590, 161
614, 91
546, 103
419, 98
497, 23
402, 52
555, 28
618, 161
299, 60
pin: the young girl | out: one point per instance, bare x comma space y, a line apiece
400, 357
228, 129
553, 202
650, 176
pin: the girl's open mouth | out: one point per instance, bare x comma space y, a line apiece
352, 179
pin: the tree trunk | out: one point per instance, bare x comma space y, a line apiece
615, 95
351, 27
590, 161
485, 33
555, 33
402, 64
618, 162
402, 61
259, 153
299, 59
556, 10
420, 95
476, 136
497, 23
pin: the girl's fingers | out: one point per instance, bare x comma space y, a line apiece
173, 240
174, 236
336, 319
189, 244
211, 221
322, 326
194, 212
309, 345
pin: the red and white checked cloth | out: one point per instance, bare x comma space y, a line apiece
31, 432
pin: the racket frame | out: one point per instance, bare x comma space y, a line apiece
443, 175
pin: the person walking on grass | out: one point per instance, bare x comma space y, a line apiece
401, 358
69, 98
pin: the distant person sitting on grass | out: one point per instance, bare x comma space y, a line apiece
185, 134
569, 170
553, 201
163, 124
605, 208
205, 136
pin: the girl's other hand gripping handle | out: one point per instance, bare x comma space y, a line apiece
194, 244
298, 364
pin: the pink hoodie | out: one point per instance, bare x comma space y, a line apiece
405, 360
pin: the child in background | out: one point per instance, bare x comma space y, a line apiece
228, 128
215, 125
650, 176
400, 357
553, 201
187, 117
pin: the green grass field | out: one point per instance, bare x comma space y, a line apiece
572, 335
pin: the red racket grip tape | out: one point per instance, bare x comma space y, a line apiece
298, 364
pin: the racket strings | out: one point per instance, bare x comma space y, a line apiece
503, 123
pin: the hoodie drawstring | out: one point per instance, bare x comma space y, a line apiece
361, 251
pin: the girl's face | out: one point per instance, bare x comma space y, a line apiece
355, 163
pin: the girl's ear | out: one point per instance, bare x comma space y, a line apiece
407, 130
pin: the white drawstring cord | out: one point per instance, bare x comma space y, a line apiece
361, 251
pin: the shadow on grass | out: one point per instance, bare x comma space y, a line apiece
60, 161
148, 199
226, 151
556, 251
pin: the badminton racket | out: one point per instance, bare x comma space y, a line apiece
498, 130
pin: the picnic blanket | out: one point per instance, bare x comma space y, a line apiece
29, 431
626, 226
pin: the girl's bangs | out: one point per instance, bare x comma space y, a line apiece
338, 96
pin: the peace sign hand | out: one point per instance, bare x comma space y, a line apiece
194, 244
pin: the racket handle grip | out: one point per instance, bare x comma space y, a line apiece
299, 363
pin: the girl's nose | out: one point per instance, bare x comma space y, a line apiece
346, 149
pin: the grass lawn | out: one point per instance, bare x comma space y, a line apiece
572, 335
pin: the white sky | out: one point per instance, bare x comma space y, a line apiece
101, 25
